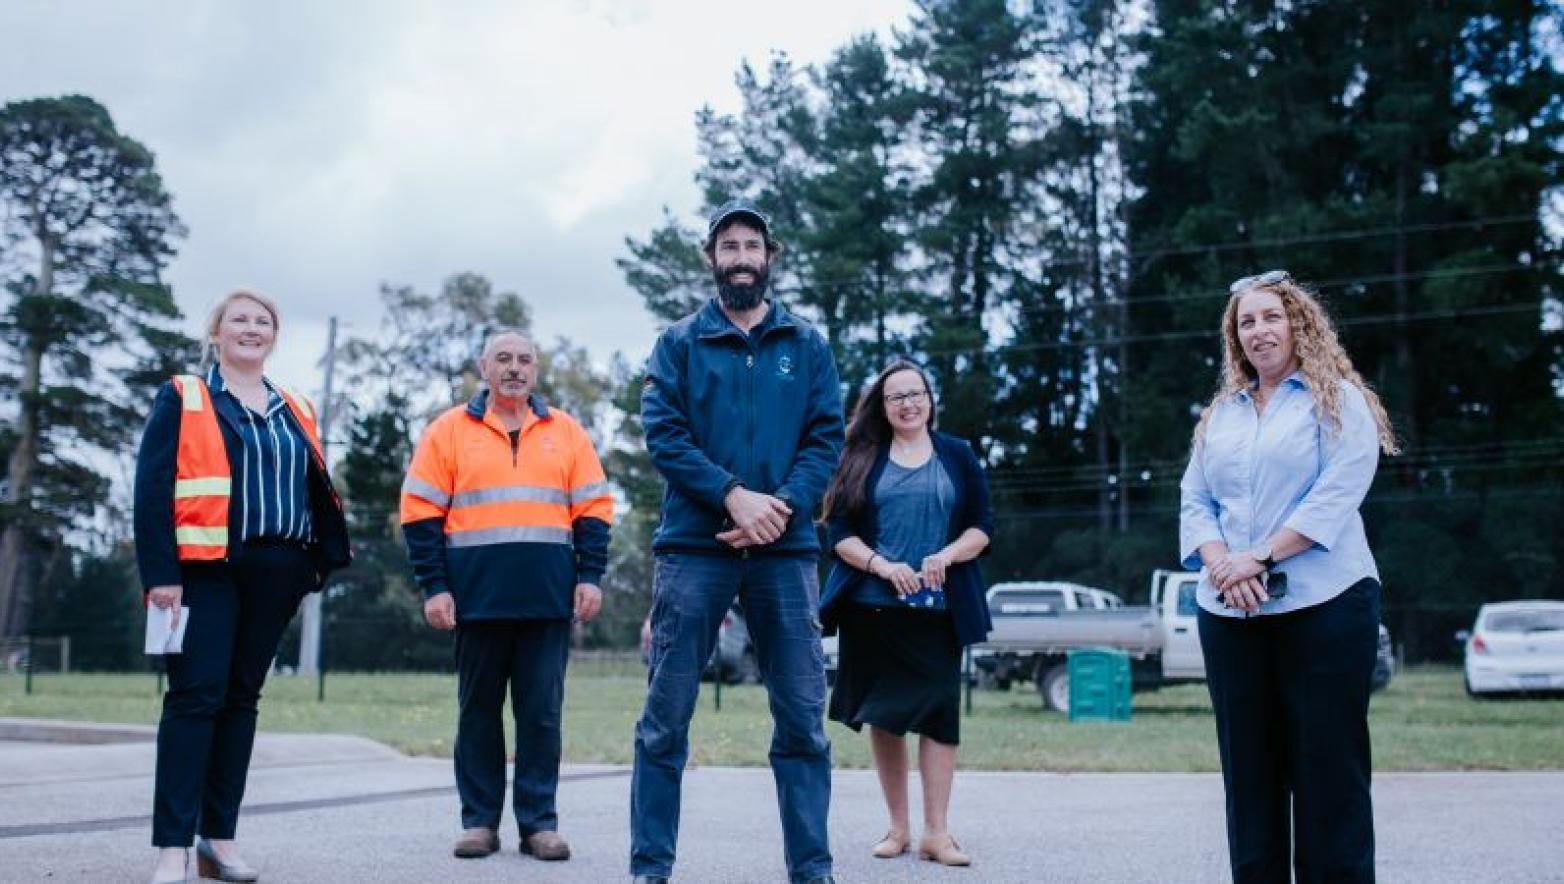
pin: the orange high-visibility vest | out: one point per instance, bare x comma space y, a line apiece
203, 480
465, 473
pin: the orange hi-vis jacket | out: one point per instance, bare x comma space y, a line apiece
508, 529
203, 478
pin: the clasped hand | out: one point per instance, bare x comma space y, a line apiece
758, 519
906, 581
1236, 576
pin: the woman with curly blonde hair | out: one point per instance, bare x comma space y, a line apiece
1289, 592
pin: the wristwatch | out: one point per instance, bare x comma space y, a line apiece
1263, 555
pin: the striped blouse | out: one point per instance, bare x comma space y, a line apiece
273, 475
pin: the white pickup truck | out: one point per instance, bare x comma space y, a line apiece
1037, 623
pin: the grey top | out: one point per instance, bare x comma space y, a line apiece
914, 507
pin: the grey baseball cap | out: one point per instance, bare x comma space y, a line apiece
740, 206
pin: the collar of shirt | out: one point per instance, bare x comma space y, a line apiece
1295, 380
214, 383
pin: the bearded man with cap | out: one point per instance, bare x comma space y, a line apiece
742, 409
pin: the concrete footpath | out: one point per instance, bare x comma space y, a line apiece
74, 804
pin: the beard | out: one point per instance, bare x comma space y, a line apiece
740, 297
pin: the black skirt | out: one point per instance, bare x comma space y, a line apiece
900, 671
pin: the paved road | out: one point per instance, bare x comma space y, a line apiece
342, 809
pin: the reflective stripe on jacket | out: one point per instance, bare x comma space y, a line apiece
509, 532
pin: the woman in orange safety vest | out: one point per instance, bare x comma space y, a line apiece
236, 522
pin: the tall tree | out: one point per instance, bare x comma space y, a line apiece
855, 198
1404, 162
1069, 364
86, 229
973, 109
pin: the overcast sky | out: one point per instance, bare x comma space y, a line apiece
317, 149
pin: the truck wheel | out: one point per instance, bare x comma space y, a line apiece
1055, 688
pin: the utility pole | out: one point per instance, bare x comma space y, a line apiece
309, 634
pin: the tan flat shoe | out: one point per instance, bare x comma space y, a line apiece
943, 850
894, 844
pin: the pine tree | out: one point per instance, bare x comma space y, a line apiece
87, 229
972, 110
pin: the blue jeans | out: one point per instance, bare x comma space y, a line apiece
690, 595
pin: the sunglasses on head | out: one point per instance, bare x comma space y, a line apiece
1269, 277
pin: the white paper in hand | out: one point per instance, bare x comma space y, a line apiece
162, 636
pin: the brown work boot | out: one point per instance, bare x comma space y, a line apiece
476, 842
546, 845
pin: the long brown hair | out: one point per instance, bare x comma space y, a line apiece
1321, 358
867, 433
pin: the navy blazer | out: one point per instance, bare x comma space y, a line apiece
964, 591
156, 552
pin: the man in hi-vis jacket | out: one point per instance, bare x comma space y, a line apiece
506, 514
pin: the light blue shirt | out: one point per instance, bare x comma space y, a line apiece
1255, 474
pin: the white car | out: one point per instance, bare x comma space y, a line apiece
1515, 646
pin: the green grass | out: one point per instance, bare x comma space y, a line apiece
1423, 721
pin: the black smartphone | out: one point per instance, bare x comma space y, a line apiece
1275, 583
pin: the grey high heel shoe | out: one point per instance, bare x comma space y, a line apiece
183, 873
210, 866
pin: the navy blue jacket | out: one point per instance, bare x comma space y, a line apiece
157, 555
722, 408
964, 590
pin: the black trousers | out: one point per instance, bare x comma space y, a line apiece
528, 657
238, 612
1291, 694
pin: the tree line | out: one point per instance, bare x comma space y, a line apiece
1044, 202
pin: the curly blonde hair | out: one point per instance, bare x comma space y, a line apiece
1321, 358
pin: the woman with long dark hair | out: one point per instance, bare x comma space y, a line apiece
908, 515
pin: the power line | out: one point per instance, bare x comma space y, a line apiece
1105, 343
1339, 283
1347, 235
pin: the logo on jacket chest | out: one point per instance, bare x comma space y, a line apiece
781, 367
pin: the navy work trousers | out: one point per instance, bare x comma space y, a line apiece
527, 658
239, 610
691, 593
1291, 695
